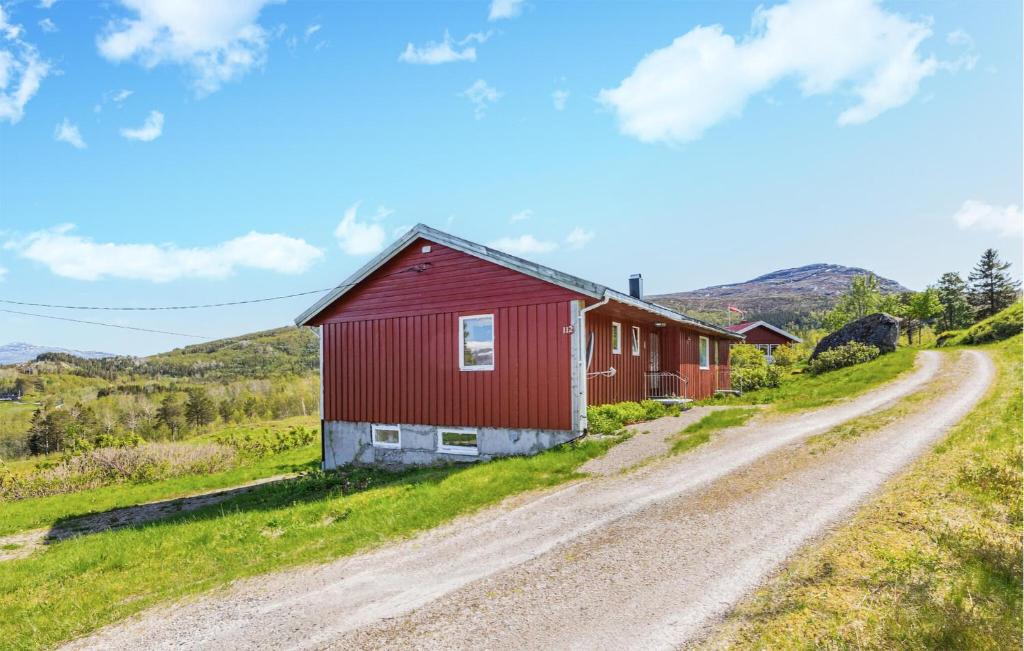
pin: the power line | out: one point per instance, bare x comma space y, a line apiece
164, 307
417, 268
108, 325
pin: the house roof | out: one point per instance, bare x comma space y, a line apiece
746, 326
573, 283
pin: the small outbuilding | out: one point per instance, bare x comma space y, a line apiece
443, 349
765, 336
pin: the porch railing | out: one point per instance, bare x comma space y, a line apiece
665, 384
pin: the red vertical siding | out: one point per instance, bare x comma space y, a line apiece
391, 346
628, 383
762, 335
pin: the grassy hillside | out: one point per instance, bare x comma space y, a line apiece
257, 355
259, 376
997, 327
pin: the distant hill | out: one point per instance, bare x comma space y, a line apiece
18, 352
256, 355
786, 296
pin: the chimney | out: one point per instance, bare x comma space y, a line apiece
636, 286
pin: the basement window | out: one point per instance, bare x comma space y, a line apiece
457, 441
386, 436
635, 341
476, 342
616, 338
702, 352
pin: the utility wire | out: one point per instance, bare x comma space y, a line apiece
108, 325
417, 268
165, 307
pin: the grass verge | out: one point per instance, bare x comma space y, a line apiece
79, 585
806, 391
699, 433
36, 512
934, 563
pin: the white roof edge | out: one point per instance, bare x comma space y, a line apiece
568, 281
775, 329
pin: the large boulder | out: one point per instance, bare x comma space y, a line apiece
880, 329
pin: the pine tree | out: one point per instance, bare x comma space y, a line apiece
956, 311
171, 415
199, 408
992, 289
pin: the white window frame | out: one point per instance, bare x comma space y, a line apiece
634, 342
379, 444
616, 340
457, 449
462, 344
707, 358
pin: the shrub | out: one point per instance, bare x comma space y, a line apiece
749, 378
261, 443
608, 419
751, 370
848, 354
786, 356
105, 466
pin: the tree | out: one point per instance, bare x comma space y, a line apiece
171, 415
862, 299
956, 311
49, 431
199, 408
924, 307
992, 289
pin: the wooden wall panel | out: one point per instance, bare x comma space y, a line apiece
406, 370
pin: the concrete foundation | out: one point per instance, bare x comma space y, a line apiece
348, 442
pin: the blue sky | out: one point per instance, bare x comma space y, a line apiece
159, 152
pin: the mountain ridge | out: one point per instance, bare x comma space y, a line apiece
783, 296
19, 352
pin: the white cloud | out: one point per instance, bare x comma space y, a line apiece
150, 129
74, 256
978, 215
578, 238
312, 29
46, 4
217, 41
523, 245
502, 9
68, 132
559, 98
434, 53
48, 26
359, 238
21, 71
520, 216
481, 94
122, 95
705, 76
399, 231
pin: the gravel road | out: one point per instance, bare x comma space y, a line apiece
648, 559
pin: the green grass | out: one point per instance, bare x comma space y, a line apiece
805, 391
38, 512
934, 563
995, 328
76, 586
699, 433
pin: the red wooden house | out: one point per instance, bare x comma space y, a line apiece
765, 336
440, 348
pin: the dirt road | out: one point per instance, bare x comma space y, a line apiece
648, 559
